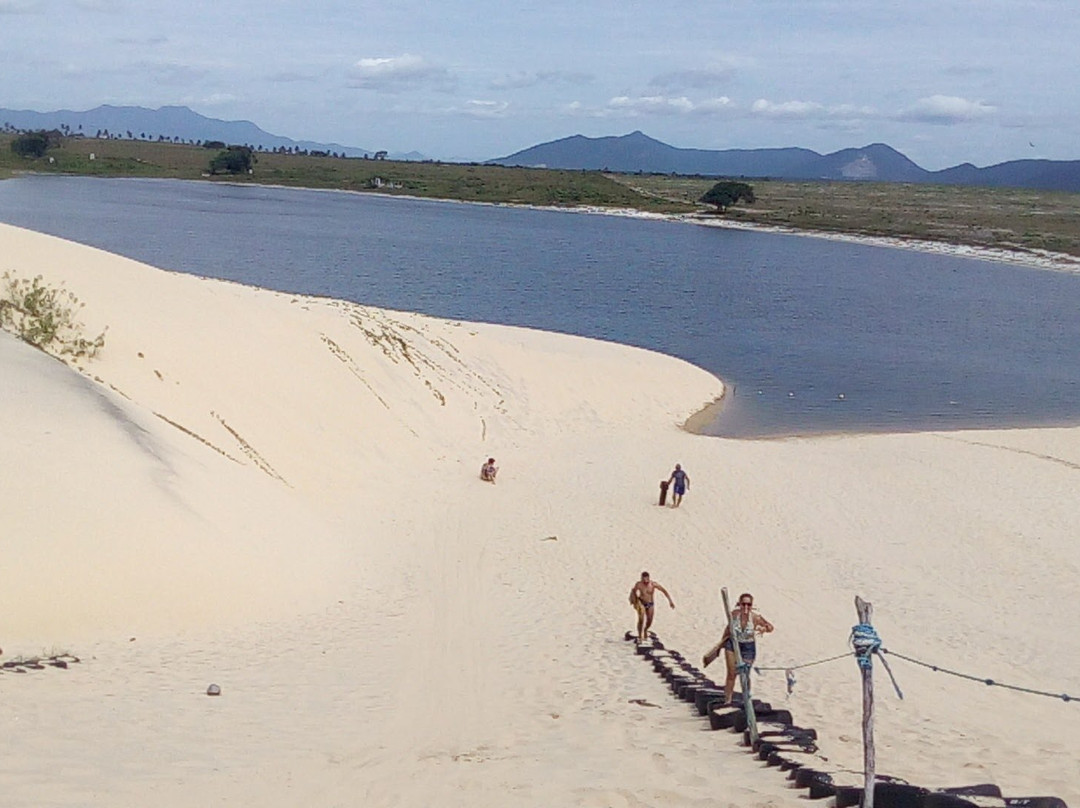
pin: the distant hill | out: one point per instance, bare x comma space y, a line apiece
877, 162
1050, 175
639, 152
170, 123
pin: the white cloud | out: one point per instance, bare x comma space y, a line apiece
852, 112
800, 110
397, 74
485, 109
651, 104
625, 106
946, 109
217, 100
714, 105
812, 111
524, 79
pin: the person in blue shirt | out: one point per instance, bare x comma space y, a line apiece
680, 481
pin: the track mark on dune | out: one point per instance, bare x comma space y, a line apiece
1038, 455
250, 451
197, 437
350, 363
393, 346
390, 336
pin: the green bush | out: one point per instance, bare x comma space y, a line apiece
726, 193
32, 144
45, 317
234, 160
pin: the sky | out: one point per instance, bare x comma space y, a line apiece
943, 81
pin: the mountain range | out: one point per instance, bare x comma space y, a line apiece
170, 123
637, 152
632, 153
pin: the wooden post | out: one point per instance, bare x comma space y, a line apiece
866, 611
744, 674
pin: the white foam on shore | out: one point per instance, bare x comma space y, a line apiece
1033, 258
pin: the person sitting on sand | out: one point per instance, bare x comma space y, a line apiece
748, 624
681, 481
643, 599
489, 470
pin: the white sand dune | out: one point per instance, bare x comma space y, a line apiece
279, 494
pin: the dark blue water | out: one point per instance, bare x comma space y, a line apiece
814, 335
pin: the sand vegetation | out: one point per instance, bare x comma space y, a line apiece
46, 317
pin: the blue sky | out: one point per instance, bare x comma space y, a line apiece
943, 81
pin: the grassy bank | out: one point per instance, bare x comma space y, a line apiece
984, 217
1007, 218
471, 183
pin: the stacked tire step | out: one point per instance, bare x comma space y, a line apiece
793, 749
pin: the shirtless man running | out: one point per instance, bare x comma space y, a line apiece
643, 599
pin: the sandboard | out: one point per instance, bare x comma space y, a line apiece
712, 654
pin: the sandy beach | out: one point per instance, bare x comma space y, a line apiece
279, 494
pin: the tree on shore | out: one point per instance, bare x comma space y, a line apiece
726, 193
233, 160
31, 144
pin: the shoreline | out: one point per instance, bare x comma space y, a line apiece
1044, 259
1056, 262
1031, 259
699, 420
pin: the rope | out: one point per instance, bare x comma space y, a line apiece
865, 641
759, 669
989, 682
789, 671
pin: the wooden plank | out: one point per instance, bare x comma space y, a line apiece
866, 612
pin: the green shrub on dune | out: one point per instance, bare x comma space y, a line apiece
45, 317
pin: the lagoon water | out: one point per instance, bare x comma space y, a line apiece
813, 335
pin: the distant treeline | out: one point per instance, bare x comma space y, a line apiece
54, 135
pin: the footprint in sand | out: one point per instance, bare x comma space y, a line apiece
661, 762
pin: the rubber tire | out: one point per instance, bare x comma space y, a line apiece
820, 789
941, 800
723, 718
1034, 802
764, 713
981, 790
706, 698
805, 776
